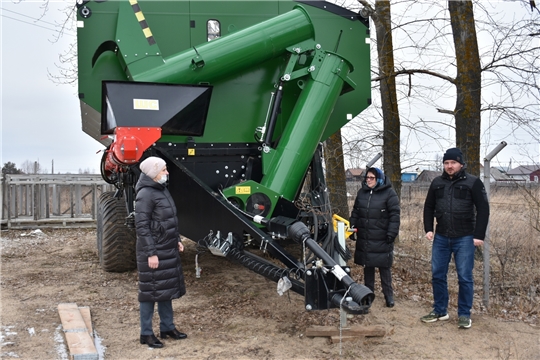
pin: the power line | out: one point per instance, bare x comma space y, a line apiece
34, 23
23, 15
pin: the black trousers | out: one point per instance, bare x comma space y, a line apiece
386, 280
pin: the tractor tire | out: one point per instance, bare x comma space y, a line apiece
116, 243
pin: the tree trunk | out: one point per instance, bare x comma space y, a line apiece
335, 175
391, 120
468, 83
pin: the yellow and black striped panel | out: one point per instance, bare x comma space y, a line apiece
142, 21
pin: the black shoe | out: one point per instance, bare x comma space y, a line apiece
389, 301
175, 334
151, 340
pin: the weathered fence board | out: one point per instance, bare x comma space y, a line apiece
30, 201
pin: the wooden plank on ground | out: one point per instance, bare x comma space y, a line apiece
87, 318
337, 339
71, 317
80, 344
329, 331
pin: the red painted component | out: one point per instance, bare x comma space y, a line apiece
129, 149
128, 146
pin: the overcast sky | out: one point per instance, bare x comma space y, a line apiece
40, 120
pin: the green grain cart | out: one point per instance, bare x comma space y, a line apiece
237, 97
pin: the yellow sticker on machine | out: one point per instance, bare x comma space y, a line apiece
146, 104
243, 190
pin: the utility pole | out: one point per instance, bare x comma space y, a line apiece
486, 257
373, 161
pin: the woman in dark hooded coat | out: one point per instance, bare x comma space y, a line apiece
161, 278
376, 217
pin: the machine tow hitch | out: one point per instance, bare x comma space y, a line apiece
355, 298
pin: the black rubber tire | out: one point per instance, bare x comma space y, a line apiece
115, 241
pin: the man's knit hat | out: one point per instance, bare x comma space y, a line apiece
152, 166
454, 154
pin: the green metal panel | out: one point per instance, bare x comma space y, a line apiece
169, 23
137, 49
232, 64
285, 167
234, 112
90, 35
243, 66
350, 39
234, 53
230, 18
247, 92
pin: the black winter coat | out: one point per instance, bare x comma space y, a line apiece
376, 216
157, 234
459, 204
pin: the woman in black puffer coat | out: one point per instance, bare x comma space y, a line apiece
161, 278
376, 217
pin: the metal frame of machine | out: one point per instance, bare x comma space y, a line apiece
237, 97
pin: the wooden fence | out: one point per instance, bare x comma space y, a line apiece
33, 201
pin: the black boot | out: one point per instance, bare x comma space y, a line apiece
175, 334
151, 340
389, 301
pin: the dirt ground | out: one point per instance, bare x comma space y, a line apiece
228, 313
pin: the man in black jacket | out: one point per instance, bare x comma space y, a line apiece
459, 202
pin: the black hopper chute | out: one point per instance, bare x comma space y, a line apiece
176, 109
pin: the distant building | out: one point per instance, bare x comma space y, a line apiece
527, 173
355, 174
496, 175
427, 176
408, 177
535, 176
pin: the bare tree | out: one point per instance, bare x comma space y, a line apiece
391, 120
468, 82
66, 67
510, 70
434, 69
531, 194
335, 174
85, 171
381, 16
32, 167
362, 139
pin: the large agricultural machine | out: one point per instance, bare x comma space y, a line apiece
237, 97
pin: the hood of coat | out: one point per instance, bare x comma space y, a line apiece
146, 181
382, 180
386, 183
